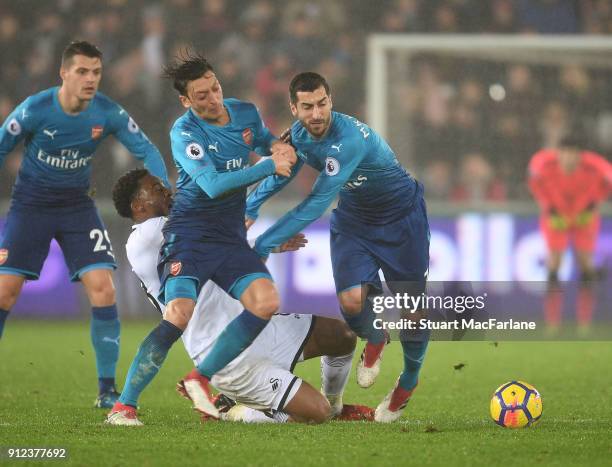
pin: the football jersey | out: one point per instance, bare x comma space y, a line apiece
355, 163
213, 171
59, 147
570, 193
142, 250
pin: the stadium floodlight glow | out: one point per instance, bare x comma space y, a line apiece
554, 50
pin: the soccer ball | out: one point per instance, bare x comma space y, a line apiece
516, 405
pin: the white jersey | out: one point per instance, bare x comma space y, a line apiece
272, 354
142, 248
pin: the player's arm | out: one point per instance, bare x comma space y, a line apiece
15, 128
268, 188
586, 201
127, 131
324, 191
200, 167
548, 198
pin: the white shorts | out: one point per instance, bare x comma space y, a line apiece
261, 377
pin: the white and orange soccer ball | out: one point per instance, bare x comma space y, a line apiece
516, 405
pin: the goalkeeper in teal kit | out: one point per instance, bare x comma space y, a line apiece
61, 128
380, 224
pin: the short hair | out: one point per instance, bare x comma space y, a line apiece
187, 66
573, 140
125, 190
306, 82
79, 48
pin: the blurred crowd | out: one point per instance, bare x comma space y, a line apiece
471, 140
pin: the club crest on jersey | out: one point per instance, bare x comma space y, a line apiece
13, 127
194, 151
3, 255
332, 166
247, 136
96, 131
175, 268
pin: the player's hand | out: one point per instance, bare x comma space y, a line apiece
293, 244
248, 222
584, 218
558, 222
284, 158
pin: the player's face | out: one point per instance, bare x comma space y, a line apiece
313, 109
153, 197
205, 97
81, 77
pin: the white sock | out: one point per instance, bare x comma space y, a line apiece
334, 376
256, 416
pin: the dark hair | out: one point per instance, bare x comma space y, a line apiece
79, 48
187, 66
125, 189
574, 140
306, 82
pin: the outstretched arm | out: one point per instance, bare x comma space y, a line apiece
16, 126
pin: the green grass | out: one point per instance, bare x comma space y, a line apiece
47, 386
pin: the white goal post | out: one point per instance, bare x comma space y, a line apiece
557, 50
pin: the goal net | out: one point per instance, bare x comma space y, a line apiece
466, 113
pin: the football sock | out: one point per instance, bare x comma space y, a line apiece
414, 353
335, 373
236, 337
105, 331
3, 315
362, 323
147, 362
256, 416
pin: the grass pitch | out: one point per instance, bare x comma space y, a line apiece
48, 383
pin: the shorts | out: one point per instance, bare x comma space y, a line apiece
400, 249
226, 264
583, 238
261, 377
80, 234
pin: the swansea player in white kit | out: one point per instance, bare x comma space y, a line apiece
261, 377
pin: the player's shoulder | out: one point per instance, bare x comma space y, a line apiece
242, 111
593, 159
146, 232
105, 103
184, 124
41, 99
543, 157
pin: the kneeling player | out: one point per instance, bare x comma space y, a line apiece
261, 377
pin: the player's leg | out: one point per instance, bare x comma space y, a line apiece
24, 245
10, 287
404, 259
334, 342
180, 294
357, 281
90, 259
308, 405
557, 241
585, 240
105, 331
260, 299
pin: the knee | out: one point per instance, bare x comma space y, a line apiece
350, 302
346, 339
8, 297
178, 312
102, 294
266, 304
321, 411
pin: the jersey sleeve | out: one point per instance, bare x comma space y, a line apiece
15, 128
127, 131
541, 185
597, 188
263, 137
268, 188
336, 173
198, 164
